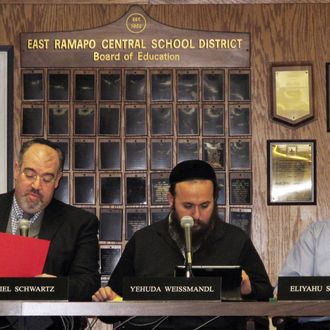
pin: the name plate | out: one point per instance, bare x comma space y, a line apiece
33, 288
172, 288
304, 288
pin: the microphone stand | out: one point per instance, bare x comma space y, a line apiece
189, 273
186, 223
188, 263
24, 225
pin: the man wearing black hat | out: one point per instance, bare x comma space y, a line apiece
156, 250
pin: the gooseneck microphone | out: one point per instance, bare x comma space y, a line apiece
186, 223
24, 225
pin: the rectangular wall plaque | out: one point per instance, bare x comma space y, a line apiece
240, 188
291, 172
110, 255
122, 44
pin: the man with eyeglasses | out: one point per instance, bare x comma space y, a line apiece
73, 251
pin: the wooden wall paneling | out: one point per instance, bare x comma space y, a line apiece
286, 221
279, 33
231, 2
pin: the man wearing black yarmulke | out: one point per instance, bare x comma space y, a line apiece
156, 250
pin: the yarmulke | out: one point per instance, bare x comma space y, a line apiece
190, 170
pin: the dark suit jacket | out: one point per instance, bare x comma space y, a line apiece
74, 249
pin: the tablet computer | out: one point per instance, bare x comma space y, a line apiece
231, 277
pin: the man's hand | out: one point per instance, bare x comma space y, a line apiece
245, 284
105, 294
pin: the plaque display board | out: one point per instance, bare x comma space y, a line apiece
32, 118
213, 120
239, 85
64, 145
135, 117
213, 85
239, 120
110, 255
135, 220
110, 154
135, 88
241, 218
159, 188
110, 224
222, 213
188, 120
136, 154
84, 154
157, 214
161, 154
291, 171
58, 119
240, 185
161, 120
136, 189
110, 89
161, 85
187, 87
221, 181
109, 120
111, 190
33, 85
84, 188
240, 154
214, 152
292, 94
84, 120
187, 149
84, 86
127, 105
62, 192
58, 85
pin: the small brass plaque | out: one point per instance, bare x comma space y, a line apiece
292, 94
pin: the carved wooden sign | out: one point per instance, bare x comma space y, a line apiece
135, 40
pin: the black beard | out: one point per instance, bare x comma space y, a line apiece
197, 236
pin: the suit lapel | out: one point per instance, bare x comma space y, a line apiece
51, 221
6, 201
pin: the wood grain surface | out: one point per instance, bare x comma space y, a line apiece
280, 33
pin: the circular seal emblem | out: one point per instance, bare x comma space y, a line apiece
136, 23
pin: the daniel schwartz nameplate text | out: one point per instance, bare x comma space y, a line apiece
172, 288
304, 288
33, 288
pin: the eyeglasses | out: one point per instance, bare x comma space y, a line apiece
31, 175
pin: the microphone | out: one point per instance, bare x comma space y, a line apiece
186, 223
24, 225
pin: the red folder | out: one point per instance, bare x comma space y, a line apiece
22, 256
